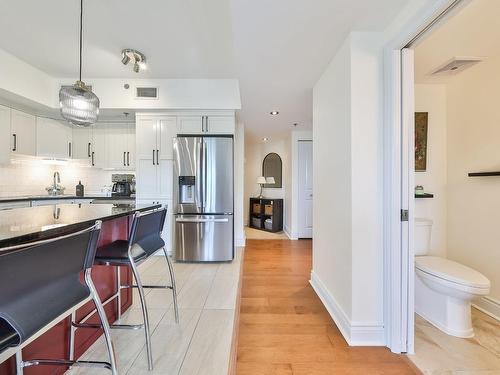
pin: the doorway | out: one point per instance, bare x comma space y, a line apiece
305, 189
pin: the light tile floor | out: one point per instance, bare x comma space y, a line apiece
200, 343
437, 353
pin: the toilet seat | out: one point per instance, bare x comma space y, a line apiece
452, 274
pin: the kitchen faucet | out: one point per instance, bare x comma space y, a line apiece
56, 188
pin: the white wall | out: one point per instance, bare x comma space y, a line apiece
239, 184
255, 152
431, 98
473, 145
332, 207
348, 179
30, 176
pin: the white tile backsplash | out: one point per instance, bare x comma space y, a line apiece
31, 177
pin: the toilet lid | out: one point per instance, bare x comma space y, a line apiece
452, 271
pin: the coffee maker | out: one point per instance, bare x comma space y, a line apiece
123, 185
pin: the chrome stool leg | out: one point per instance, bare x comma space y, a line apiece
19, 363
72, 332
142, 297
104, 321
119, 295
174, 287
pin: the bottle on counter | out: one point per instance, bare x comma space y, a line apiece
79, 189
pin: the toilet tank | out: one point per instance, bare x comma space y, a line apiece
423, 228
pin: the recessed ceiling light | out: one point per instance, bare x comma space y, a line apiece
274, 113
265, 139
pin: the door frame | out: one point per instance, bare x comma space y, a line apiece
398, 171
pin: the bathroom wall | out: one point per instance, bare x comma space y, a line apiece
473, 99
30, 176
255, 152
431, 98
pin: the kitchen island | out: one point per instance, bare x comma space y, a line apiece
23, 225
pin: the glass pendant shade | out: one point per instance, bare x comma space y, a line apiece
79, 105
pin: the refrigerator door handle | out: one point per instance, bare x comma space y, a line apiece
182, 220
205, 174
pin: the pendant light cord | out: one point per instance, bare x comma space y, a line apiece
81, 36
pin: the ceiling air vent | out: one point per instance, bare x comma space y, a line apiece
455, 66
146, 92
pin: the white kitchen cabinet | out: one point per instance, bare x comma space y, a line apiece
5, 136
120, 146
23, 133
98, 155
53, 138
154, 138
205, 124
82, 142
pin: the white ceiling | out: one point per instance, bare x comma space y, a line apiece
277, 49
473, 31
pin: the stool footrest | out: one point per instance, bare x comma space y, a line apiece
147, 286
112, 326
64, 362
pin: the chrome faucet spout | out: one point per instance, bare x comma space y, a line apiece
57, 178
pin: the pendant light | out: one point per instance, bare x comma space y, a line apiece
79, 105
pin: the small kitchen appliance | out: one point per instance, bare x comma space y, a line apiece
123, 185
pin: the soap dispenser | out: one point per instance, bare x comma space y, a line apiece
79, 189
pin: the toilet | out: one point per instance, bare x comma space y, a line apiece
444, 289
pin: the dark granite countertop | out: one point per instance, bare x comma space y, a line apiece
49, 197
21, 225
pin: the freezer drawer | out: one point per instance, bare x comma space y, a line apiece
204, 238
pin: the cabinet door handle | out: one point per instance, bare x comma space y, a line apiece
15, 142
93, 164
69, 149
157, 157
124, 163
88, 150
206, 124
153, 157
128, 158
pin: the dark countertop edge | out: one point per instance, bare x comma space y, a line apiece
66, 229
49, 197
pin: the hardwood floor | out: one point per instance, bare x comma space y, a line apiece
284, 328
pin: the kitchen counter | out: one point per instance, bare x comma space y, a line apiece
49, 197
20, 225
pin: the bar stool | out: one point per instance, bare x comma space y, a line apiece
40, 286
144, 241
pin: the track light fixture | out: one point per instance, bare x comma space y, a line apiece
138, 58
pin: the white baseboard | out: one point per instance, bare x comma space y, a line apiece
489, 306
240, 242
355, 333
288, 232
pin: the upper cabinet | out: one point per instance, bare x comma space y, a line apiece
54, 138
82, 142
120, 145
23, 133
5, 136
206, 124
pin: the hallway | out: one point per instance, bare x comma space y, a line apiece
284, 328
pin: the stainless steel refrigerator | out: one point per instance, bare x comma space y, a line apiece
203, 198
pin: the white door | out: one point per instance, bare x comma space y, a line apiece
145, 161
167, 129
23, 128
407, 196
305, 189
130, 146
5, 136
82, 142
116, 145
53, 138
190, 124
98, 154
220, 124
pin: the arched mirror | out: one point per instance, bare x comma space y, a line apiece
272, 167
